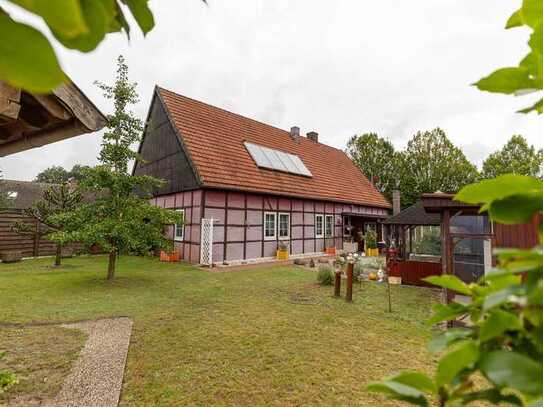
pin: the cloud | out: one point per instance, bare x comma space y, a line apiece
339, 68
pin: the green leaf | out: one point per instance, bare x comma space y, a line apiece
450, 365
497, 323
515, 209
447, 312
416, 380
486, 191
536, 107
450, 282
493, 396
532, 12
69, 22
515, 20
97, 19
141, 12
27, 60
510, 369
536, 403
447, 338
536, 41
510, 294
399, 391
508, 81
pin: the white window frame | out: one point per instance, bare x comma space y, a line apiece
176, 228
321, 216
274, 237
287, 237
326, 217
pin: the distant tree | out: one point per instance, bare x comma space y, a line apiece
53, 175
121, 218
78, 172
58, 175
56, 200
432, 163
516, 157
377, 159
3, 192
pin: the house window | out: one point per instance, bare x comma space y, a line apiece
329, 226
347, 225
179, 229
284, 225
269, 225
319, 225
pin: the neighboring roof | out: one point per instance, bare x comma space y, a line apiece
213, 139
30, 120
27, 193
439, 201
415, 215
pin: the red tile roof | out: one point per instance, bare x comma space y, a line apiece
214, 140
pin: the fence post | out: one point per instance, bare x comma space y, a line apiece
36, 251
337, 283
349, 295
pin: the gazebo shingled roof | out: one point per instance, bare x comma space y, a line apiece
415, 215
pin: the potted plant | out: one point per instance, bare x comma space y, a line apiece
282, 251
370, 238
11, 256
330, 247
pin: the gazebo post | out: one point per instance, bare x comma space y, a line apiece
410, 239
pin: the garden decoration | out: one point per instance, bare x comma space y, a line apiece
170, 257
370, 239
282, 251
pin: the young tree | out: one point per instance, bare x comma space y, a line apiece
56, 200
377, 159
432, 163
121, 218
516, 157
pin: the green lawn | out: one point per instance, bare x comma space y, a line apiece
268, 336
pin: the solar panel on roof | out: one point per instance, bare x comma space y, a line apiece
277, 160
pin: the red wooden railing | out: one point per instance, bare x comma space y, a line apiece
413, 272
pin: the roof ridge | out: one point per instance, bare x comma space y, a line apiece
245, 117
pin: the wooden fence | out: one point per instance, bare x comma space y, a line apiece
412, 272
29, 245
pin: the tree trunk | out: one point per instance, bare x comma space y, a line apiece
58, 255
111, 265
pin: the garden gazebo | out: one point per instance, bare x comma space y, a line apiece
400, 230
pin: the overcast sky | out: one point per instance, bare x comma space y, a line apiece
337, 67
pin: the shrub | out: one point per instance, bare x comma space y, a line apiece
325, 275
358, 271
7, 379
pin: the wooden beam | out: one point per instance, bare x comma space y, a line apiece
80, 107
53, 106
10, 98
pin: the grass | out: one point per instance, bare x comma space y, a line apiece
41, 357
262, 337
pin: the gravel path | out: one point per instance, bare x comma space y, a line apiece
97, 376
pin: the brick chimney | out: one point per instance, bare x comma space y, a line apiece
396, 202
313, 136
295, 133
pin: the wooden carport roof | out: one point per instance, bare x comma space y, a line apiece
29, 120
415, 215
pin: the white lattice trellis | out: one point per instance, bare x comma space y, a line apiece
206, 242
